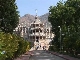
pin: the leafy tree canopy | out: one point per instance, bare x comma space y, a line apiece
8, 15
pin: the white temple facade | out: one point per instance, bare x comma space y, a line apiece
36, 33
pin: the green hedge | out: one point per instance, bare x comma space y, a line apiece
12, 46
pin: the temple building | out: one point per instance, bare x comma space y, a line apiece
36, 33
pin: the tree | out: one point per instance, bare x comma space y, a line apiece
67, 16
61, 15
74, 27
8, 15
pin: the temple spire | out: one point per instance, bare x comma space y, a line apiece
36, 11
36, 14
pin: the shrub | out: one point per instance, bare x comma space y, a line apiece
11, 46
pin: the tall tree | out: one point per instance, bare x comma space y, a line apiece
67, 16
8, 15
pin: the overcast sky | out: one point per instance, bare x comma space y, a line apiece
29, 6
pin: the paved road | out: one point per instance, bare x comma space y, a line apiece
43, 55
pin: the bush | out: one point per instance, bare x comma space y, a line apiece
21, 47
11, 46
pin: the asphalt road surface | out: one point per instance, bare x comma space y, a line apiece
43, 55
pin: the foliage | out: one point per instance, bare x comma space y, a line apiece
8, 15
21, 47
67, 17
11, 46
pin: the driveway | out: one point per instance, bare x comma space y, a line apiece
43, 55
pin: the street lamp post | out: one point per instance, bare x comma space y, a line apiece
60, 38
51, 32
62, 41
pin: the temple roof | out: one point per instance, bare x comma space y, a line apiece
37, 21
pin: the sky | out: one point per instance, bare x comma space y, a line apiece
29, 6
